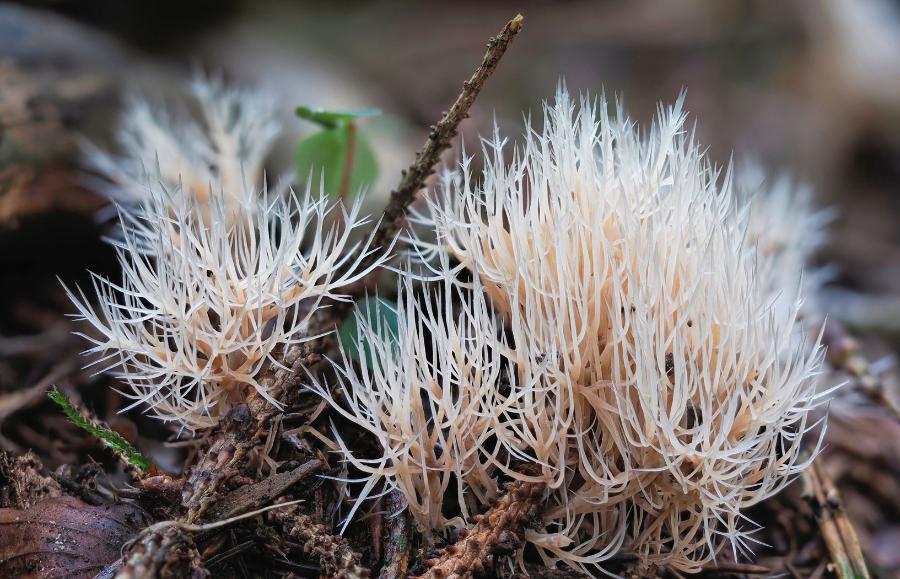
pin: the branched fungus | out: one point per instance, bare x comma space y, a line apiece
220, 148
218, 274
618, 341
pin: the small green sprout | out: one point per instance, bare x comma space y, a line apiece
339, 151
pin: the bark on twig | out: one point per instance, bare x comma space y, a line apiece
835, 526
398, 542
239, 433
440, 138
497, 532
145, 554
228, 450
168, 552
253, 496
334, 554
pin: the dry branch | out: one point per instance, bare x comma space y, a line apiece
228, 448
398, 542
440, 137
258, 494
837, 531
497, 532
845, 354
240, 432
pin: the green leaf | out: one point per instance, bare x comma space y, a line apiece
376, 311
112, 440
324, 151
365, 168
332, 119
327, 150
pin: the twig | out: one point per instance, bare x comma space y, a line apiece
232, 440
19, 399
731, 568
147, 554
247, 497
439, 139
497, 532
162, 525
837, 532
241, 431
844, 353
398, 543
336, 557
231, 448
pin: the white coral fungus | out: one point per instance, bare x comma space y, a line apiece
788, 230
426, 401
645, 375
211, 289
223, 147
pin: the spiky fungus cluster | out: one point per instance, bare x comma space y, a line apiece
609, 328
787, 231
217, 274
222, 148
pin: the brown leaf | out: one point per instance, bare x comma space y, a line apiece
65, 537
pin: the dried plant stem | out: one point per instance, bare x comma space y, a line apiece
837, 531
240, 432
497, 532
398, 542
228, 448
260, 493
228, 445
149, 553
844, 354
725, 568
440, 137
334, 554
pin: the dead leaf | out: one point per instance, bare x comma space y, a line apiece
65, 537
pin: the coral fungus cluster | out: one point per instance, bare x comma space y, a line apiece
604, 317
604, 323
222, 150
218, 274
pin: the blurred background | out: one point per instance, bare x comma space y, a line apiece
808, 88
